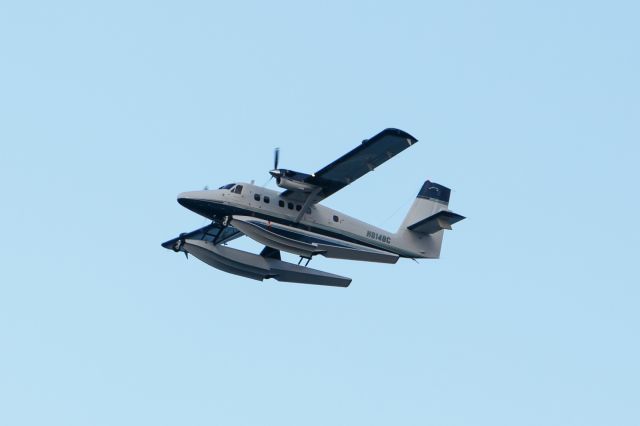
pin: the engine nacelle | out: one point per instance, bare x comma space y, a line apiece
292, 180
294, 185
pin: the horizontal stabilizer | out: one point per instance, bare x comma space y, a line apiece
437, 222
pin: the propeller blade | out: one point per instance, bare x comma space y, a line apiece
276, 158
267, 181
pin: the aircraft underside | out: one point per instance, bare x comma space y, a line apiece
207, 244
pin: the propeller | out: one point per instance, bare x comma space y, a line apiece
179, 244
275, 173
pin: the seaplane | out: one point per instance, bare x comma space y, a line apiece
294, 221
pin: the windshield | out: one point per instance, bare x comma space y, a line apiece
229, 186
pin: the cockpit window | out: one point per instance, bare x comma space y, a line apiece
237, 189
229, 186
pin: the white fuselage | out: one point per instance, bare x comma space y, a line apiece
268, 205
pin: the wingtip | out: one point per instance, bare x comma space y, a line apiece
398, 132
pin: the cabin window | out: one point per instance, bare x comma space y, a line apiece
298, 207
237, 189
266, 199
290, 205
336, 218
281, 203
256, 197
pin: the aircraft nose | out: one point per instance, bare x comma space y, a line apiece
196, 201
188, 199
184, 202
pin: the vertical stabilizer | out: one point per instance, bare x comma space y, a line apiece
424, 225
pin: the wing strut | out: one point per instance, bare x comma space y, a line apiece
310, 199
217, 237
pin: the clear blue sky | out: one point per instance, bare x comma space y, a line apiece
529, 111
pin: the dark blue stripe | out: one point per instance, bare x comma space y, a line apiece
435, 191
297, 236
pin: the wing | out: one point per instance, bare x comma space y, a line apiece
355, 164
213, 233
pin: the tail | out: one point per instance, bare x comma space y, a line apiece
422, 230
